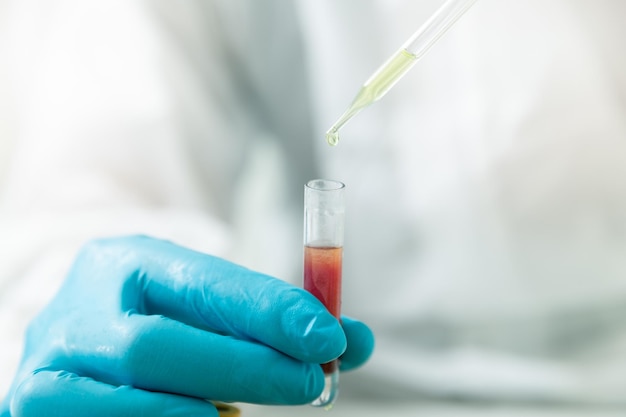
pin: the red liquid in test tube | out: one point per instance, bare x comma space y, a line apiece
322, 278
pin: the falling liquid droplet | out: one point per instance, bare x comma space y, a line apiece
332, 137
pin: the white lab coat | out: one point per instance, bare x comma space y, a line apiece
486, 224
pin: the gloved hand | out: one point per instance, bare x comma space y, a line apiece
143, 327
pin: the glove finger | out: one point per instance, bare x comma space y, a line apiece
360, 344
165, 355
60, 393
209, 292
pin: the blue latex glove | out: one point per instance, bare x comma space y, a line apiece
142, 327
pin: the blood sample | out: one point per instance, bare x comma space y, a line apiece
322, 278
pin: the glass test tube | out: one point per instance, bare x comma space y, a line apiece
323, 253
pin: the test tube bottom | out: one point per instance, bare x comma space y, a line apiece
329, 394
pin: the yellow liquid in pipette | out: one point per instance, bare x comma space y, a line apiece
374, 89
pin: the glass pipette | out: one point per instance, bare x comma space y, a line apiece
402, 61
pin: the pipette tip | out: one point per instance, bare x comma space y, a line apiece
332, 137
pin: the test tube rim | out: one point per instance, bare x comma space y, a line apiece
325, 185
